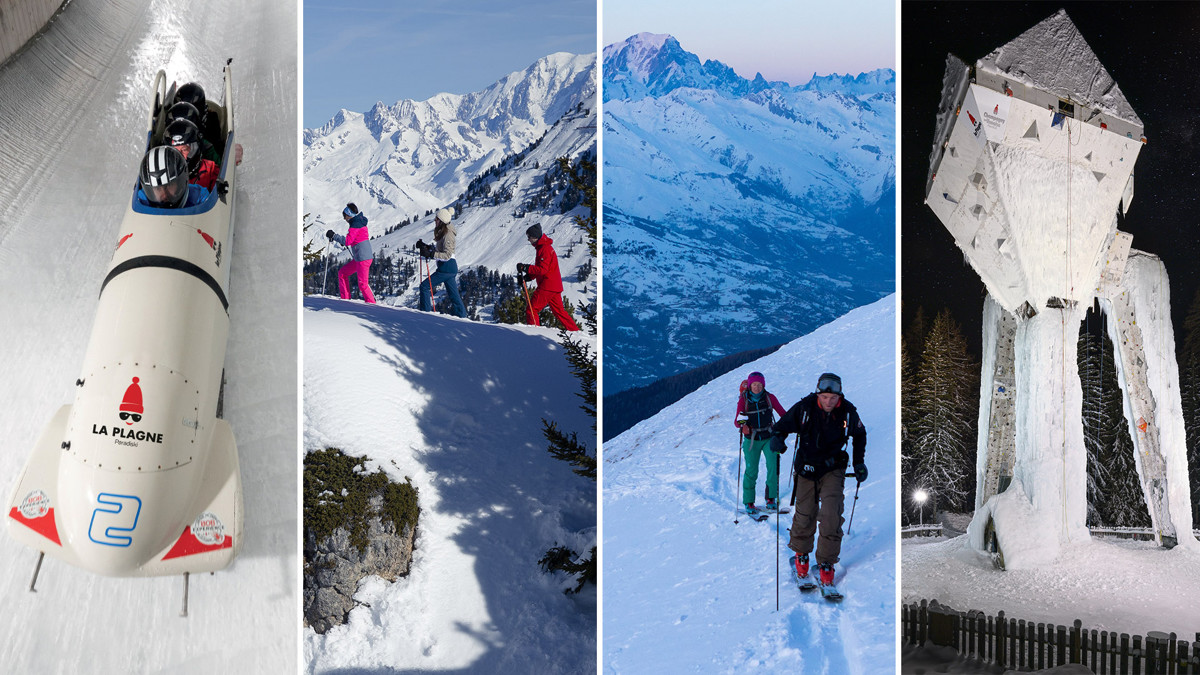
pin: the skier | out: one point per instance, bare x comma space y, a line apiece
163, 181
544, 271
824, 422
755, 413
442, 250
358, 240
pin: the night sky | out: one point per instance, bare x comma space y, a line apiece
1152, 50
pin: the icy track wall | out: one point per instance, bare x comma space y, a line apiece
20, 20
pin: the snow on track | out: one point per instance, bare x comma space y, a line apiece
73, 109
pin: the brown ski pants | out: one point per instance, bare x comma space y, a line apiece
819, 501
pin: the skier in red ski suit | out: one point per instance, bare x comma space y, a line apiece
544, 271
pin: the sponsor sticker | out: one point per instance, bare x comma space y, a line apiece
209, 529
35, 505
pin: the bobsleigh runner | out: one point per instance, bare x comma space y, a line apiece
139, 475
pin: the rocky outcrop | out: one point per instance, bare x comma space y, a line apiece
335, 565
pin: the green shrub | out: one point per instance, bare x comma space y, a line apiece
337, 490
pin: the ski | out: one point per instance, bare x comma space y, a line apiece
758, 515
829, 591
805, 583
783, 512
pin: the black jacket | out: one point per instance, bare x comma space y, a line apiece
822, 436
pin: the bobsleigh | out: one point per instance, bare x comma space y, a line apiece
139, 475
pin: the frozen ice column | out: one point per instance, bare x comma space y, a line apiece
1033, 159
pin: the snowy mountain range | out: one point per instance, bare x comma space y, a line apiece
491, 154
737, 213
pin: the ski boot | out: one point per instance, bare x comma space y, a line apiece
825, 571
772, 506
800, 565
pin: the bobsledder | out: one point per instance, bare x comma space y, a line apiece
139, 475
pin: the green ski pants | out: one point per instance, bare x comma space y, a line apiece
753, 450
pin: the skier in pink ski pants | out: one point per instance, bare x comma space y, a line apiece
358, 241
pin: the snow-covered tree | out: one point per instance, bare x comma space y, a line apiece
1189, 390
945, 412
1115, 496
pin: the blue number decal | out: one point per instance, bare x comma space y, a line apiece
120, 516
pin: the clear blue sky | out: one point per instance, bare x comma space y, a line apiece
785, 40
358, 52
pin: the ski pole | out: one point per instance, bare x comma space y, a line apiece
529, 312
854, 505
429, 278
325, 279
776, 553
738, 495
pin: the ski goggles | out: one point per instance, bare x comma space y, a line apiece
829, 384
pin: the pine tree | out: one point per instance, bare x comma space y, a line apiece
1189, 390
310, 256
945, 415
1115, 496
568, 448
1095, 359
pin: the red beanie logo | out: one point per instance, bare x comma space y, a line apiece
131, 405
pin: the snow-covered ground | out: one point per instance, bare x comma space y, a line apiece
73, 110
457, 406
1109, 584
685, 589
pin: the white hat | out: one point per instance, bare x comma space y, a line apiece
444, 215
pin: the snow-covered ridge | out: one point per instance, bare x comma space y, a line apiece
455, 405
419, 155
654, 65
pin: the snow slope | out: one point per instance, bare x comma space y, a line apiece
456, 405
727, 200
72, 119
685, 589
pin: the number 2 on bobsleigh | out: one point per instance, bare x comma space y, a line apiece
139, 476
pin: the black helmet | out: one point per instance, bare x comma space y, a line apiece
186, 111
164, 177
829, 383
184, 136
194, 94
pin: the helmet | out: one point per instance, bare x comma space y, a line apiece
185, 137
194, 94
829, 383
164, 177
184, 110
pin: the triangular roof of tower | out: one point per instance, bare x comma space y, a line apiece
1054, 57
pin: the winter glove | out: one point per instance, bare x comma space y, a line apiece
522, 269
422, 248
860, 472
778, 444
807, 471
745, 429
329, 235
528, 277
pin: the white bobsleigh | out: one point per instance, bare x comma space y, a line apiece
139, 476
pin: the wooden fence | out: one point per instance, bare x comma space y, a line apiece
1027, 646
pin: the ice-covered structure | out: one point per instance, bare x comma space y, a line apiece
1032, 161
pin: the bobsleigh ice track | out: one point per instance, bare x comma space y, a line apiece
73, 108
